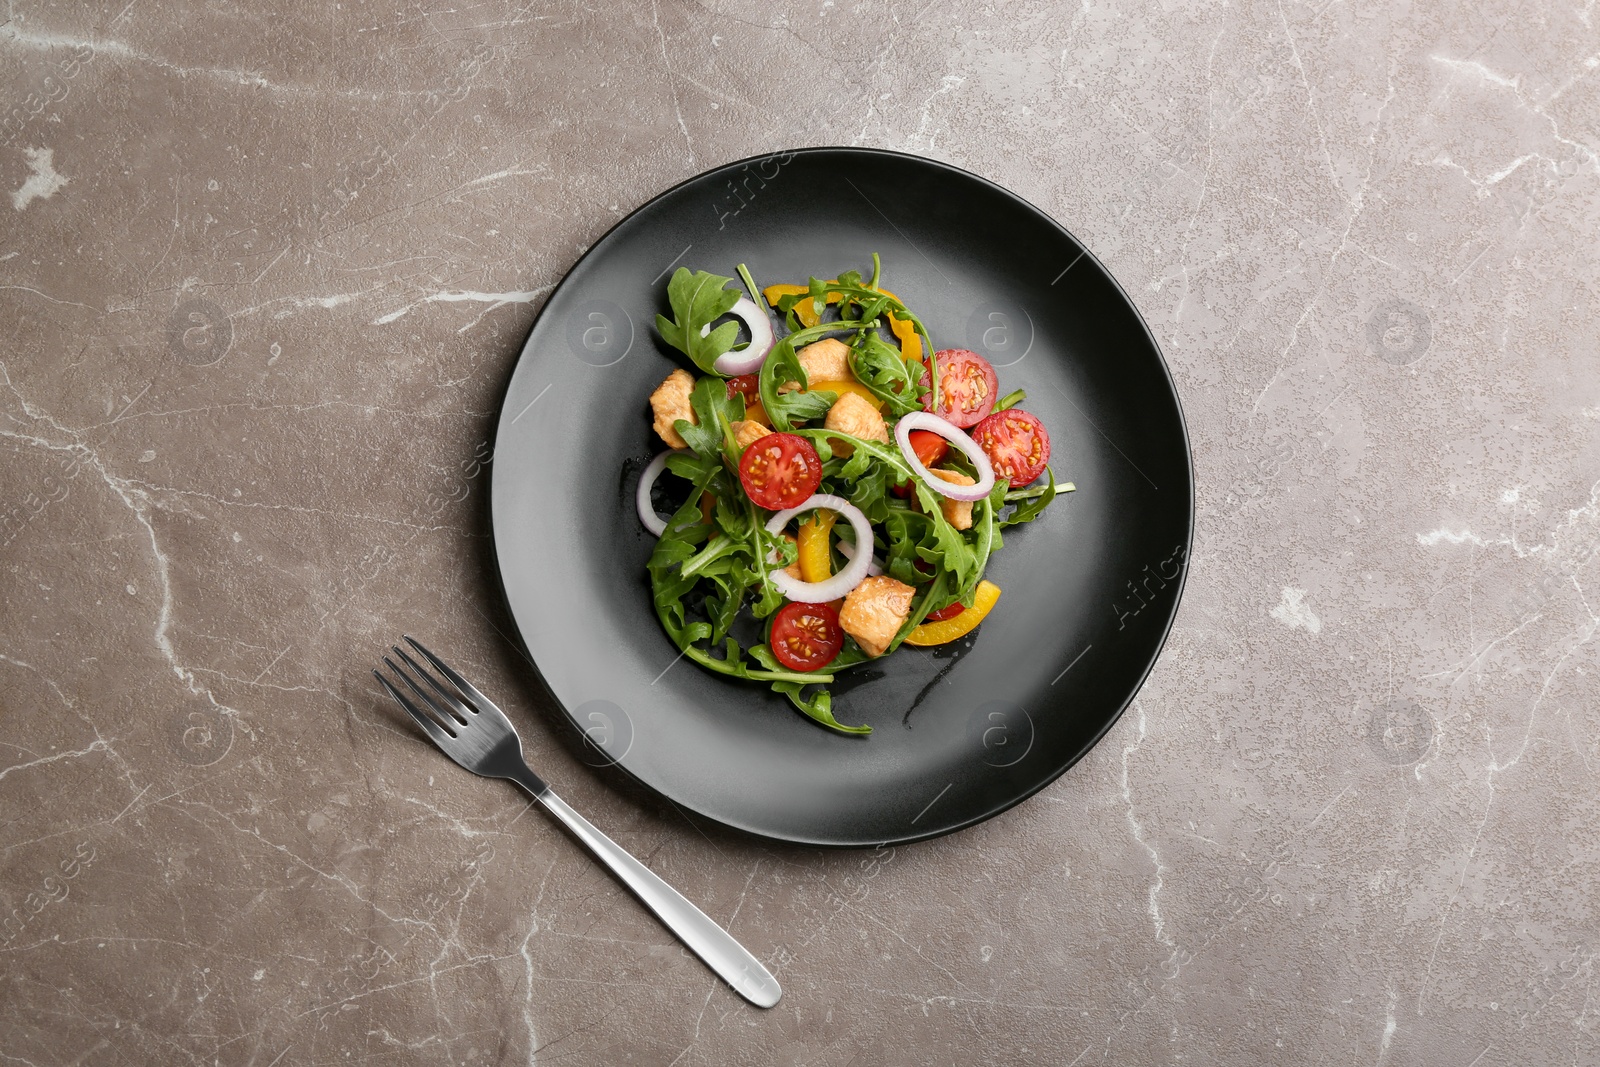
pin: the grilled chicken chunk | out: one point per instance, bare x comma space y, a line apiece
874, 611
957, 513
670, 402
852, 415
746, 433
827, 360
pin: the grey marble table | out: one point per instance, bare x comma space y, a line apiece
250, 257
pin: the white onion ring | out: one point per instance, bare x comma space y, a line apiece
841, 583
748, 359
641, 498
848, 551
925, 420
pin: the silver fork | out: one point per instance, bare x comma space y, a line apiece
476, 734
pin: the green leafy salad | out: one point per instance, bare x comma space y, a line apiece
844, 491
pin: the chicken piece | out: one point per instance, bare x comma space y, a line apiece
957, 513
857, 417
874, 611
670, 402
827, 360
793, 569
746, 433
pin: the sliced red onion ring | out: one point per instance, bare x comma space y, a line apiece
924, 420
841, 583
647, 510
748, 359
848, 551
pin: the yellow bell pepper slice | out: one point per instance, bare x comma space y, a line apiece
852, 386
754, 412
816, 559
774, 293
903, 330
906, 334
942, 633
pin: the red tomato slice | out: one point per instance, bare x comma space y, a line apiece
780, 470
1017, 444
930, 448
749, 385
968, 387
806, 637
949, 611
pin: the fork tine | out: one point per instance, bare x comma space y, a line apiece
425, 721
462, 711
484, 703
439, 709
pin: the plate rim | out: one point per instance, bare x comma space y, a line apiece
1181, 581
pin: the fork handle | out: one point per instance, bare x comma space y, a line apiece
732, 962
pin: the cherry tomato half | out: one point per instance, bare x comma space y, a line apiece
780, 470
930, 448
1017, 444
968, 387
949, 611
806, 637
748, 385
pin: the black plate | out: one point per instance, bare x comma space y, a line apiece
962, 732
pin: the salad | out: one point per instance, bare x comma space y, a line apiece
844, 492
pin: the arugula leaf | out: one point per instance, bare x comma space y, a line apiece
866, 483
880, 368
773, 552
698, 300
731, 518
786, 305
903, 531
936, 592
946, 549
715, 549
723, 606
818, 294
870, 493
1030, 508
818, 706
859, 463
887, 454
736, 667
988, 537
677, 544
690, 467
763, 655
783, 365
750, 284
712, 407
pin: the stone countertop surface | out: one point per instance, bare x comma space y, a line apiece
263, 277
